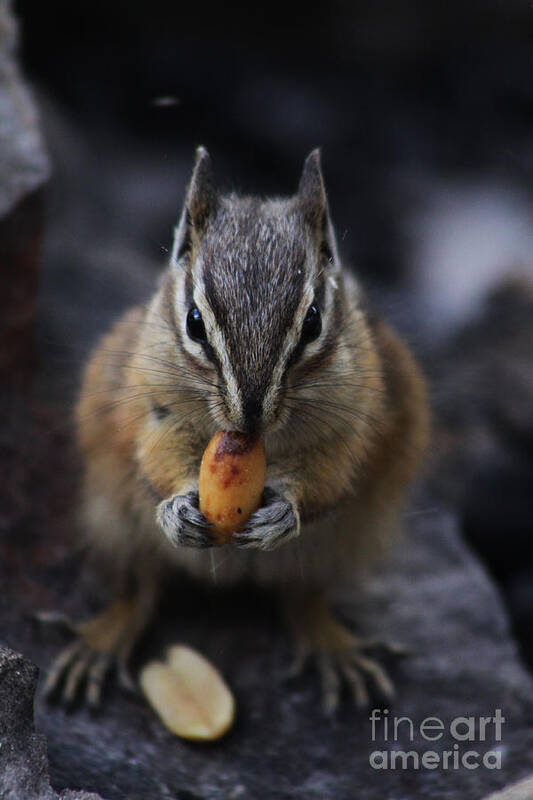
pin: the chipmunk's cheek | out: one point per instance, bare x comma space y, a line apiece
279, 420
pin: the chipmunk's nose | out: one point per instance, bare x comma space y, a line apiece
252, 408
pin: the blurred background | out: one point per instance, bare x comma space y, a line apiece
424, 112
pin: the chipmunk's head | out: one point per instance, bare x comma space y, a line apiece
257, 285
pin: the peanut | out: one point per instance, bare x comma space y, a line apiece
189, 695
231, 481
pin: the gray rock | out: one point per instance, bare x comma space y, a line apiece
23, 757
24, 167
24, 164
518, 791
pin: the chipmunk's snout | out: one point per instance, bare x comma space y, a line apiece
251, 409
252, 412
249, 415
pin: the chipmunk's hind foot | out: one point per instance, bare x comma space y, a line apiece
352, 668
103, 645
341, 658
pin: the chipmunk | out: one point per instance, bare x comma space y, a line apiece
255, 327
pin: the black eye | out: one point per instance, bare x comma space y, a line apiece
195, 325
312, 324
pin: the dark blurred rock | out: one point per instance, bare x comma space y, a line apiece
26, 432
23, 163
23, 169
483, 444
381, 87
23, 759
20, 239
483, 395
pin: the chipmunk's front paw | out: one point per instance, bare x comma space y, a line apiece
184, 523
271, 525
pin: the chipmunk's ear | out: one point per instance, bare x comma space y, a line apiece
202, 195
200, 203
314, 205
311, 189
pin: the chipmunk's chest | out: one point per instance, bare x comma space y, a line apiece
319, 555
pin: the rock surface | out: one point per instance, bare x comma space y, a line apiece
23, 758
24, 167
517, 791
433, 596
24, 164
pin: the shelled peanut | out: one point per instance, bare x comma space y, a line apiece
231, 481
189, 695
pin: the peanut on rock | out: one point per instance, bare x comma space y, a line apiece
231, 481
189, 695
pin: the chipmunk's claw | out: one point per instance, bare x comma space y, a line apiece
270, 526
55, 618
350, 667
341, 658
184, 523
359, 671
102, 645
80, 673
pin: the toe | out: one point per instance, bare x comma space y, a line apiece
60, 667
331, 684
245, 539
195, 537
301, 657
192, 516
274, 513
377, 673
356, 684
55, 618
124, 675
75, 676
95, 679
392, 647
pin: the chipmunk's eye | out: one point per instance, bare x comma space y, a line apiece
195, 325
312, 324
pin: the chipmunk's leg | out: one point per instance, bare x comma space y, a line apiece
103, 643
339, 655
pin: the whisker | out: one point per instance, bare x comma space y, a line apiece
111, 405
354, 413
163, 388
204, 413
337, 433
